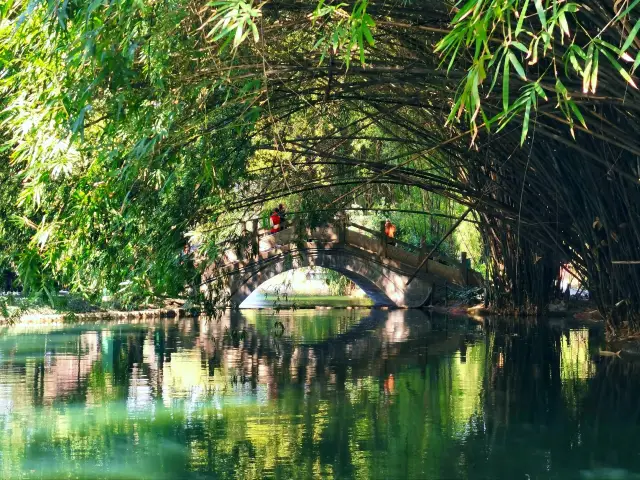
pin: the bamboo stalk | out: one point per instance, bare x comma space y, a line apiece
444, 237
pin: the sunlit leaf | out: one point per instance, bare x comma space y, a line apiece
620, 69
517, 65
541, 13
525, 123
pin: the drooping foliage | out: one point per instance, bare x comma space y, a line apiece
105, 129
132, 125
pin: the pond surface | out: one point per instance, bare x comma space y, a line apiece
315, 394
269, 300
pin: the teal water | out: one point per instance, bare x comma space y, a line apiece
269, 300
315, 394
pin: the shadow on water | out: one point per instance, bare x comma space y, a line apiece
305, 394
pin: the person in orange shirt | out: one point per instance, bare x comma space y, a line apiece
390, 232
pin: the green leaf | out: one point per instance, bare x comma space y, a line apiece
594, 71
523, 14
628, 9
516, 64
520, 47
92, 6
581, 53
541, 13
564, 25
539, 90
464, 11
577, 112
571, 59
619, 68
636, 64
496, 75
505, 87
560, 88
631, 37
525, 123
586, 76
368, 21
367, 35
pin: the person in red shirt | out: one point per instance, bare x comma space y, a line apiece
275, 221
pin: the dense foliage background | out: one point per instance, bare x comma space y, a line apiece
130, 127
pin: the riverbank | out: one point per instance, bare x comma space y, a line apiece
575, 316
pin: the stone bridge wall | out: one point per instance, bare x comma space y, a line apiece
382, 271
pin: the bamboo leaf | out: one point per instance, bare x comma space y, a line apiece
520, 47
533, 51
366, 18
523, 14
586, 76
574, 63
541, 13
516, 64
495, 76
636, 64
505, 87
594, 70
539, 90
619, 68
464, 11
367, 35
631, 37
525, 123
626, 11
576, 112
564, 25
561, 89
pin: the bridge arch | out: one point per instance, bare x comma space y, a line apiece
381, 283
355, 270
390, 275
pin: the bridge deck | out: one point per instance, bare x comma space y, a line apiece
395, 257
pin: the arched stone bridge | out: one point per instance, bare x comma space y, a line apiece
364, 256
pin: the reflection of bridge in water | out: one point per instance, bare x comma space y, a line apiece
392, 275
379, 344
196, 358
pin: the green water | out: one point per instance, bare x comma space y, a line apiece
269, 300
315, 394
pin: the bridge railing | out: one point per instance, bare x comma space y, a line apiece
420, 250
262, 241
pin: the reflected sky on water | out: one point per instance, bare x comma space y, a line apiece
315, 394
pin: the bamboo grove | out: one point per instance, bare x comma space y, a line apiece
131, 124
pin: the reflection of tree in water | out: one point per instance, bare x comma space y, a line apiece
525, 369
392, 396
540, 420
